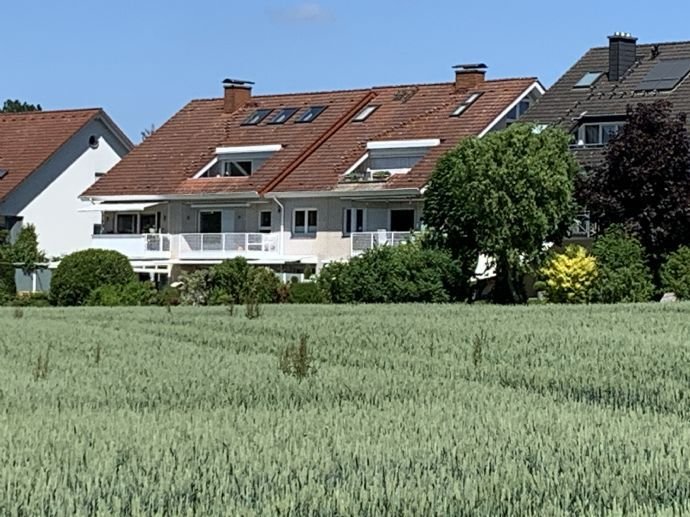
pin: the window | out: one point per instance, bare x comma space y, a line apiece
126, 223
211, 222
588, 79
238, 168
265, 225
402, 220
283, 115
311, 114
353, 220
305, 222
365, 113
256, 117
465, 104
599, 134
148, 223
97, 229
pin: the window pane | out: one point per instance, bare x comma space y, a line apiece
265, 220
210, 222
592, 135
147, 222
402, 220
126, 223
299, 221
311, 223
347, 227
359, 223
608, 132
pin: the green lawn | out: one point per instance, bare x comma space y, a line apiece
419, 410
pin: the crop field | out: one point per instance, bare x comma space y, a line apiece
411, 410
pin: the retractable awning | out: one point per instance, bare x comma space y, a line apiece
118, 207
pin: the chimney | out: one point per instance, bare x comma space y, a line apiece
237, 94
622, 54
469, 77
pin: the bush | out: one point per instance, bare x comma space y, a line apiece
264, 285
8, 288
675, 273
195, 287
402, 274
129, 295
31, 300
568, 276
305, 292
168, 296
231, 280
623, 275
80, 273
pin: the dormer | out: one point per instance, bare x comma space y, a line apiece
238, 161
384, 159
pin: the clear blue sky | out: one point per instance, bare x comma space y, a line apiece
143, 60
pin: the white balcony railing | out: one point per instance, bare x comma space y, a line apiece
226, 245
363, 241
582, 226
135, 246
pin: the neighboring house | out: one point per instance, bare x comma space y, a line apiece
293, 181
590, 100
48, 158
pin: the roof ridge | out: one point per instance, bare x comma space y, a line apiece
47, 112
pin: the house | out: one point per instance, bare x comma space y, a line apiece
591, 99
48, 158
293, 181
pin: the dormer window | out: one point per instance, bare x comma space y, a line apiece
598, 134
257, 117
237, 168
311, 114
283, 115
237, 162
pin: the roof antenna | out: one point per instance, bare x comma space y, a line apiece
655, 51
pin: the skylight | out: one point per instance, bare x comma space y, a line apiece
311, 114
665, 75
588, 79
256, 117
283, 115
365, 113
3, 173
465, 104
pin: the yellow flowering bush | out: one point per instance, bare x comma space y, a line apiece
568, 276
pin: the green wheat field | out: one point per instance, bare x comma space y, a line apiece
411, 410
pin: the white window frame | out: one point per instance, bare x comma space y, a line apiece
306, 231
225, 165
351, 214
582, 132
266, 229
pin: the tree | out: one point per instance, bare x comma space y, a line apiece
644, 184
503, 196
17, 106
25, 249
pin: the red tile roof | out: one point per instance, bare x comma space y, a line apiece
314, 155
27, 140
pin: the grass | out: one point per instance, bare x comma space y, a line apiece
448, 410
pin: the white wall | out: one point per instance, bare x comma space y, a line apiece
61, 228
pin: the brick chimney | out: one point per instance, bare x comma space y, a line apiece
237, 94
622, 54
469, 77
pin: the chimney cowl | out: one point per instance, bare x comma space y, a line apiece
237, 94
469, 76
622, 54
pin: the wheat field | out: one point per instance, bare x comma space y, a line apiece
407, 410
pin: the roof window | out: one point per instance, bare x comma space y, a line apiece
283, 115
311, 114
588, 79
256, 117
365, 113
465, 104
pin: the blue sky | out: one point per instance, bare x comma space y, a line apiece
143, 60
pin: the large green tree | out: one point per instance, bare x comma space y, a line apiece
25, 250
17, 106
644, 184
504, 196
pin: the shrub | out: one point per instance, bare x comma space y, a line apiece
169, 296
265, 285
402, 274
84, 271
129, 295
231, 279
675, 273
31, 300
568, 276
8, 288
195, 287
305, 292
623, 275
25, 249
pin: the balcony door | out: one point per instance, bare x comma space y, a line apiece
216, 221
402, 220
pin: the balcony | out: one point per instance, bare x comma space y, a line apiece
363, 241
148, 246
212, 246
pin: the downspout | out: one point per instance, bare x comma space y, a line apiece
282, 226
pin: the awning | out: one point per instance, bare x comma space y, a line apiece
118, 207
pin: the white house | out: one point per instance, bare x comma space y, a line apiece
47, 159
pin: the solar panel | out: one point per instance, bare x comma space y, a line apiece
665, 75
588, 79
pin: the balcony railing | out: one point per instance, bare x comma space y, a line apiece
583, 227
363, 241
226, 245
136, 246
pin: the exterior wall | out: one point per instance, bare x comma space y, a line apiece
49, 197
